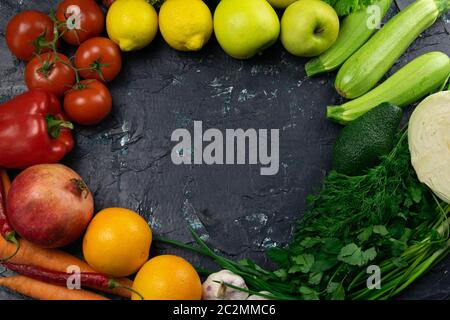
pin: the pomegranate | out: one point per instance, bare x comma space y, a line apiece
49, 205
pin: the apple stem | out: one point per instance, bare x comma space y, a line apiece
319, 30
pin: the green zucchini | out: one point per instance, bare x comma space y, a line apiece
417, 79
353, 34
362, 71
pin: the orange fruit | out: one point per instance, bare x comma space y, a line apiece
117, 242
167, 277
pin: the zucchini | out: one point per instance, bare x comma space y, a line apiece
362, 71
353, 34
420, 77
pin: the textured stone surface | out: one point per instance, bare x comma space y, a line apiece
126, 160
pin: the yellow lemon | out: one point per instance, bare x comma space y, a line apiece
117, 242
132, 24
186, 25
167, 277
281, 4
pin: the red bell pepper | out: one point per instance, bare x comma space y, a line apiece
6, 231
5, 228
33, 130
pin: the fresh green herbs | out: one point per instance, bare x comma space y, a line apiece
399, 272
385, 218
357, 221
345, 7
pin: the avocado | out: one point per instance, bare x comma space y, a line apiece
363, 142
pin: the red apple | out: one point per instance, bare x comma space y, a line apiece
49, 205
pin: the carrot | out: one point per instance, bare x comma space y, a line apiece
43, 291
52, 259
87, 279
55, 260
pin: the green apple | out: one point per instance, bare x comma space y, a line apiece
281, 4
309, 27
245, 28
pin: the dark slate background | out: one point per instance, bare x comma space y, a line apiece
126, 159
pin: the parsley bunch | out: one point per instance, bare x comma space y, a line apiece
345, 7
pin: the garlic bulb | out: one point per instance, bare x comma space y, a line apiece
214, 287
429, 143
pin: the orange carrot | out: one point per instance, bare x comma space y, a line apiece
52, 259
44, 291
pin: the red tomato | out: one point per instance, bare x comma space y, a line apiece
84, 20
53, 75
101, 54
89, 104
26, 31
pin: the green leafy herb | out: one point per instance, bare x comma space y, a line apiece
315, 278
303, 263
335, 291
381, 230
345, 7
352, 255
308, 293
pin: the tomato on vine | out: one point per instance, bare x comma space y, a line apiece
88, 102
108, 3
28, 33
51, 72
98, 58
80, 19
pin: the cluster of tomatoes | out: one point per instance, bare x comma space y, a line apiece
34, 37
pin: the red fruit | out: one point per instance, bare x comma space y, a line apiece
88, 104
27, 31
103, 55
84, 20
49, 205
51, 73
